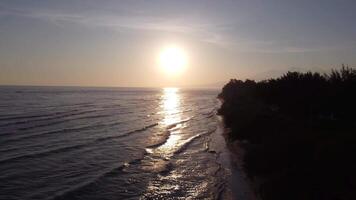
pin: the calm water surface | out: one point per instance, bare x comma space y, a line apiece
91, 143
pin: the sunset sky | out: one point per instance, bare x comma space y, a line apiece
118, 43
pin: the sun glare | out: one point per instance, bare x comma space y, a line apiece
173, 60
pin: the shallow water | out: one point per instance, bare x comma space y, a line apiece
111, 143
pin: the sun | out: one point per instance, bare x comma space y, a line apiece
173, 60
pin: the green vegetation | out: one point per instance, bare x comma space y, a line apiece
299, 132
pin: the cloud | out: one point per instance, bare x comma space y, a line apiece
215, 32
201, 31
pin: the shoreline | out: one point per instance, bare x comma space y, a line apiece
236, 153
238, 186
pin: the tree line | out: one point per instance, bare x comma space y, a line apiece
299, 133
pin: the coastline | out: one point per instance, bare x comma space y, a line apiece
293, 135
239, 186
237, 152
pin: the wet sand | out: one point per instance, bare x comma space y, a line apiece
238, 187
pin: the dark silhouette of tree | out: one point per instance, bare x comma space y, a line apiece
299, 130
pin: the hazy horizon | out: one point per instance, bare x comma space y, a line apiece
117, 43
213, 86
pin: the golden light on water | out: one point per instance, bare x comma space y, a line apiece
171, 110
171, 106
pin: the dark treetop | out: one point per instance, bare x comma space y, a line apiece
299, 132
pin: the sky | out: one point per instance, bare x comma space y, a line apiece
117, 43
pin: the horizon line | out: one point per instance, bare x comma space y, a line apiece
87, 86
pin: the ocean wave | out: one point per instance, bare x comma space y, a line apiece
128, 133
161, 166
42, 153
210, 113
190, 140
63, 130
61, 121
54, 116
170, 126
158, 139
162, 138
88, 127
78, 188
14, 116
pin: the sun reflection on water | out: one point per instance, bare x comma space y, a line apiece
171, 110
161, 159
171, 106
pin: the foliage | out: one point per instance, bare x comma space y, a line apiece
301, 132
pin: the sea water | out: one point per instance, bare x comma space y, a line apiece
111, 143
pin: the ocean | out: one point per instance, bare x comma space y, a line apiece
113, 143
